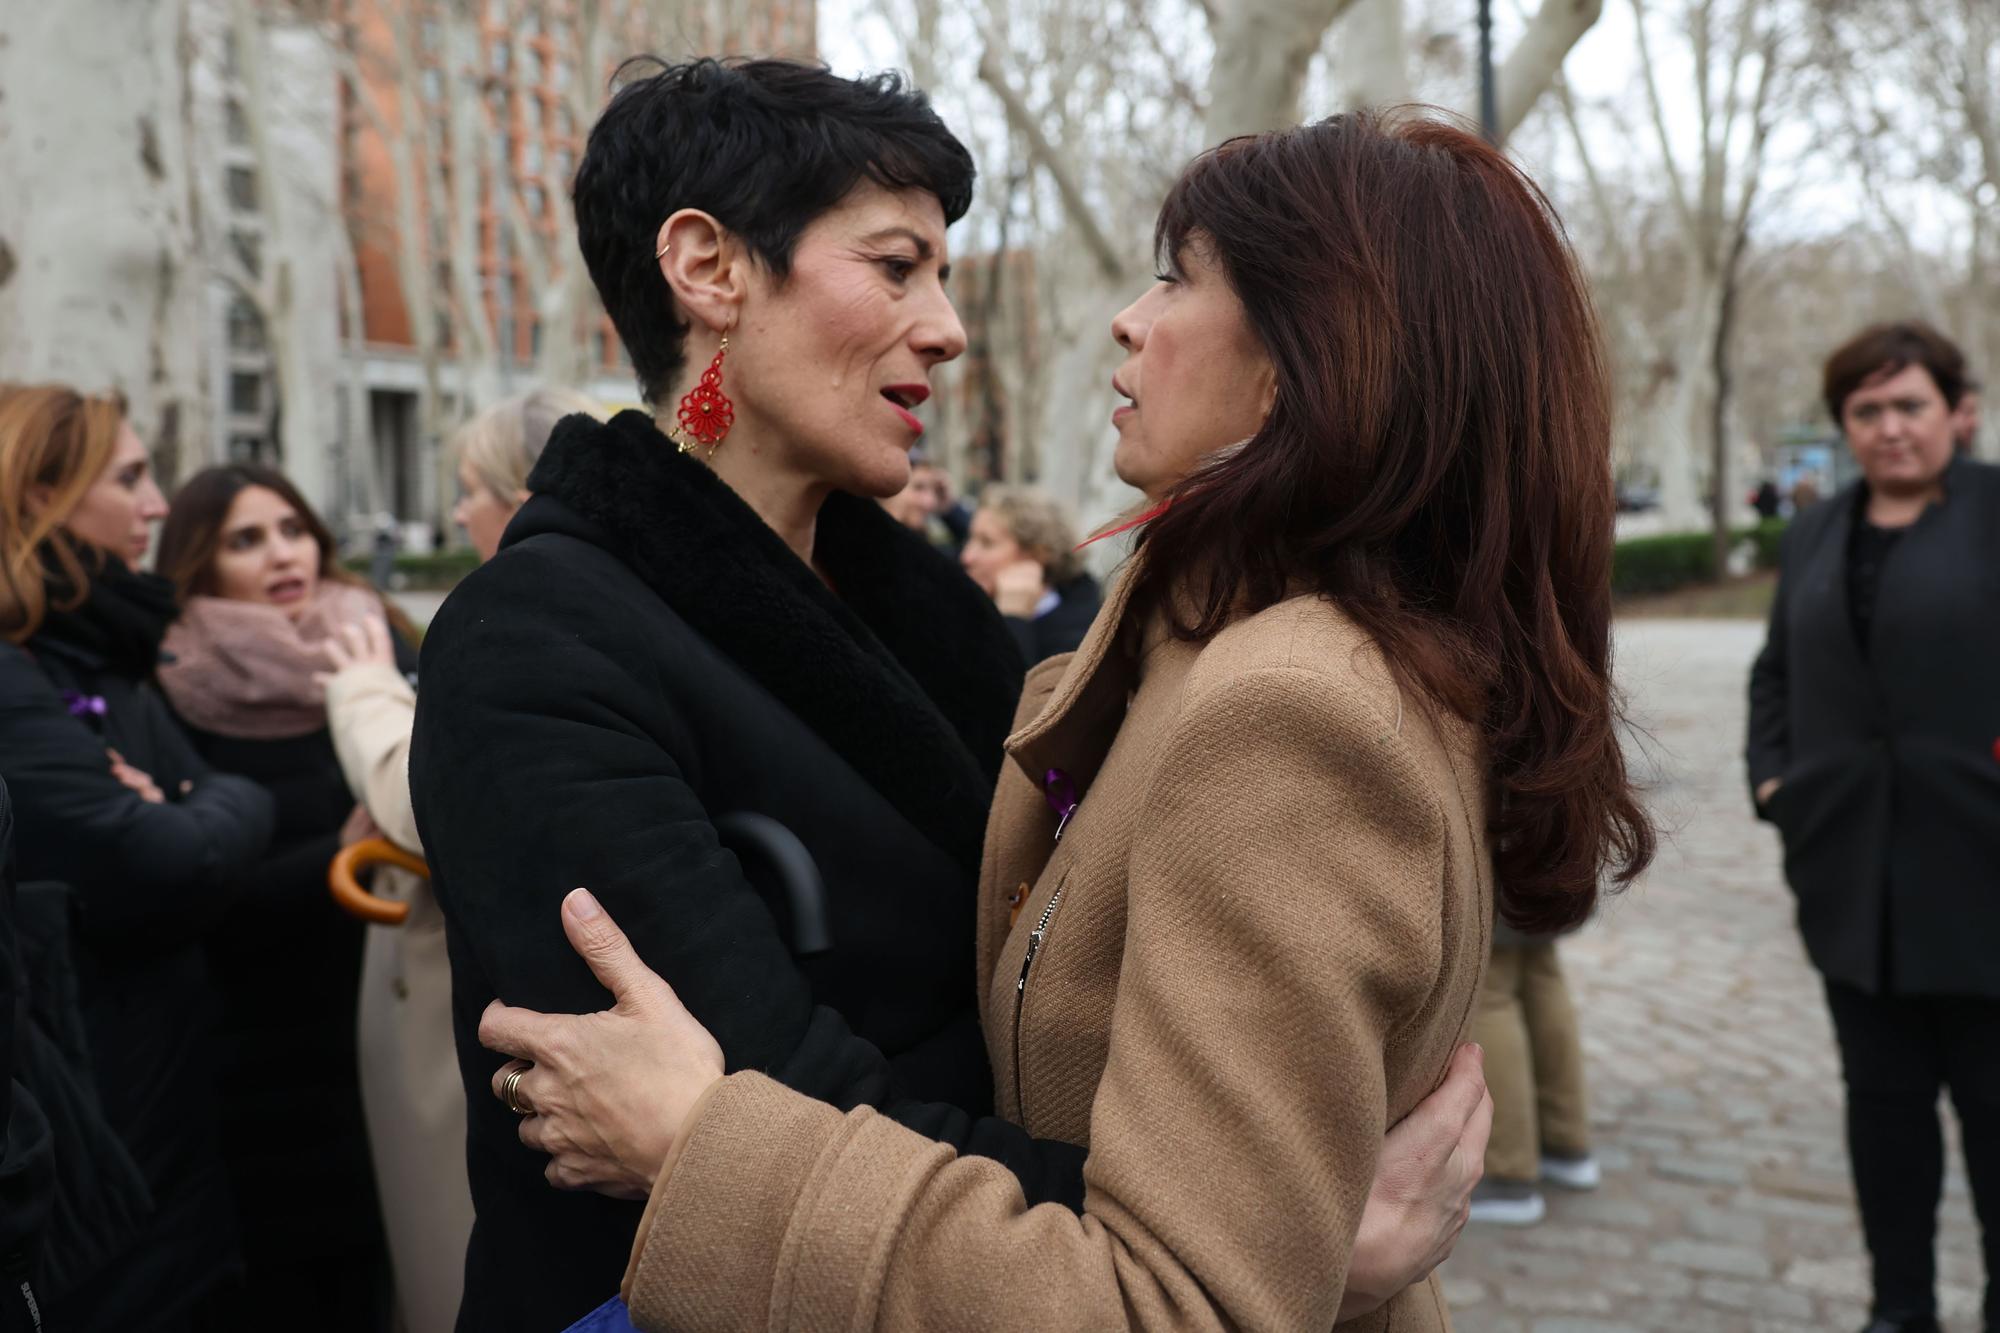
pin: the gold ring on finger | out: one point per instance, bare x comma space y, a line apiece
510, 1091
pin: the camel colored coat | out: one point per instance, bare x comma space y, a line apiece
410, 1087
1253, 949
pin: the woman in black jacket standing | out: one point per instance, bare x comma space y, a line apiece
111, 798
1875, 748
261, 592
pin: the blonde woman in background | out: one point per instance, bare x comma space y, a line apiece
409, 1073
1022, 553
496, 451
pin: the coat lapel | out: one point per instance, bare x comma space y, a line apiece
1935, 568
909, 674
1075, 727
1820, 596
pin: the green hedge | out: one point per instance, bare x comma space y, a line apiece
1767, 536
1642, 566
435, 573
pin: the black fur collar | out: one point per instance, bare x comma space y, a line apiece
909, 673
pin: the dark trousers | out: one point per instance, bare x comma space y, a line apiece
1897, 1052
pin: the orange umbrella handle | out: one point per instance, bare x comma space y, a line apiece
347, 890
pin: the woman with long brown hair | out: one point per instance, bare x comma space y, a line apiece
111, 799
1238, 880
262, 595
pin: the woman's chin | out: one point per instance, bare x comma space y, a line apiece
880, 475
1132, 470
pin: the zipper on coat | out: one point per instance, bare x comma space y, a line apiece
1035, 938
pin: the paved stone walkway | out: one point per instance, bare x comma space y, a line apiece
1726, 1205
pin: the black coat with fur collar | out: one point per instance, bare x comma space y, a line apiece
643, 658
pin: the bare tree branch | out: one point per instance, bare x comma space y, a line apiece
1262, 49
1535, 64
1658, 108
1053, 163
1607, 216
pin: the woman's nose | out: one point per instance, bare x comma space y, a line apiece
1127, 330
943, 336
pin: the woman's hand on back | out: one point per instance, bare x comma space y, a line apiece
1422, 1192
610, 1092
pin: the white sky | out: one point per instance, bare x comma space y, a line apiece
1809, 195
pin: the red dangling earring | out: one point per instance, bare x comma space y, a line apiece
706, 414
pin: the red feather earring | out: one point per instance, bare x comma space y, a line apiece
705, 414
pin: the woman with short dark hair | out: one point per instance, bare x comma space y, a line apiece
709, 676
1874, 748
1238, 882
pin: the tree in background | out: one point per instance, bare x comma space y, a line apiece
100, 219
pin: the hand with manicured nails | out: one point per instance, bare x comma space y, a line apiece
610, 1091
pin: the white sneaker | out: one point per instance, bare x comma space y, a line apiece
1573, 1173
1507, 1203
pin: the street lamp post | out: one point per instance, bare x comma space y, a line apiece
1489, 100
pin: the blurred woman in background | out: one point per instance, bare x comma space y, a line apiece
409, 1075
112, 799
496, 451
261, 593
1022, 553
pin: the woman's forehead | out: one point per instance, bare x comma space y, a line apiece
871, 212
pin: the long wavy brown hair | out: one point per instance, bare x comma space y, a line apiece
1437, 461
54, 444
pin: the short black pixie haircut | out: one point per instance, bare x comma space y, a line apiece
764, 146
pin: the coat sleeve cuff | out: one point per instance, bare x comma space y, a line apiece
709, 1245
774, 1201
372, 678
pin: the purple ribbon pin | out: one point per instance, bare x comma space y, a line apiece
84, 705
1061, 795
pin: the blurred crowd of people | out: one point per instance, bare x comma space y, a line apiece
185, 753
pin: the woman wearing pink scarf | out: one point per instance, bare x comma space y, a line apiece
262, 595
